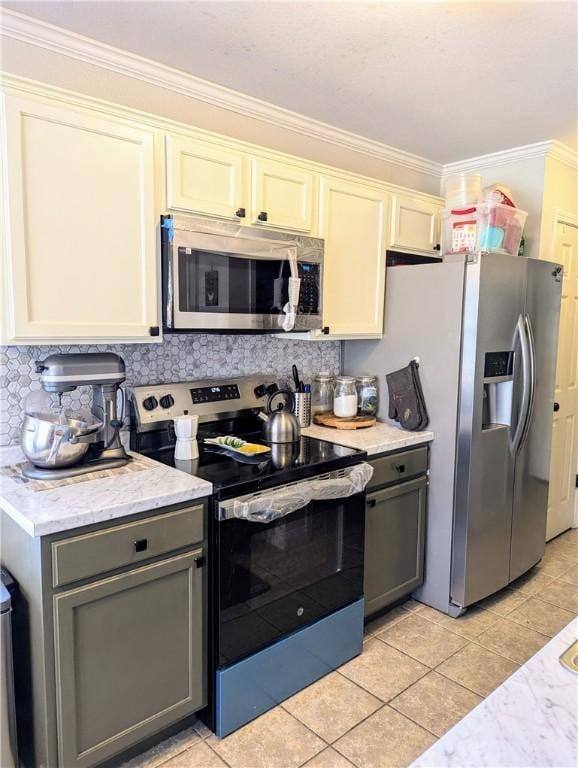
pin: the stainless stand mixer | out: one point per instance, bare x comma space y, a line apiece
58, 446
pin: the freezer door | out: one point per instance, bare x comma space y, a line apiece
489, 408
532, 465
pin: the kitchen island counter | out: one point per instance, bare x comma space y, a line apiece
382, 438
530, 720
44, 508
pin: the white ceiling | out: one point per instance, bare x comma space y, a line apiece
445, 80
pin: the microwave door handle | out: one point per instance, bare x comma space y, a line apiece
523, 414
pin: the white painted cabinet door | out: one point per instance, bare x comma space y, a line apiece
353, 223
282, 195
414, 224
80, 258
205, 178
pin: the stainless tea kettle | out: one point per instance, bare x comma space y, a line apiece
282, 425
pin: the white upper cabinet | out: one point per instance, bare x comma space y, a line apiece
282, 195
353, 222
205, 178
79, 260
414, 224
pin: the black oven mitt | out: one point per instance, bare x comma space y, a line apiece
406, 400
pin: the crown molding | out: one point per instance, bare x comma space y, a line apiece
564, 154
31, 31
552, 149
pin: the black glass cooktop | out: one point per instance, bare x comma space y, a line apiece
232, 476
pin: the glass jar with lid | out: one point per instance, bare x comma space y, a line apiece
345, 397
322, 392
367, 395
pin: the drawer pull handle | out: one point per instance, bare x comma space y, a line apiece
371, 503
141, 545
400, 467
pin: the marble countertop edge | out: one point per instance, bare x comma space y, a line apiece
98, 500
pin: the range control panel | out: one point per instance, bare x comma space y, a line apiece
163, 402
215, 394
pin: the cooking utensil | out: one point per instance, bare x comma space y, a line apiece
282, 426
50, 440
296, 379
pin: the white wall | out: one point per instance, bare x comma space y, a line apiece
36, 63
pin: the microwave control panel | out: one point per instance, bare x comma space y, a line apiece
309, 288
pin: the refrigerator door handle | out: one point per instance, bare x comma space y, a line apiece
526, 385
532, 351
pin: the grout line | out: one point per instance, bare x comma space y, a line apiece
353, 727
280, 706
218, 755
423, 727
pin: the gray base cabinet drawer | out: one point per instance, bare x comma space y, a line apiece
129, 657
398, 466
394, 543
125, 545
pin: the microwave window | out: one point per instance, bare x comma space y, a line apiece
211, 281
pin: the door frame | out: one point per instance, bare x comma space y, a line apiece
570, 219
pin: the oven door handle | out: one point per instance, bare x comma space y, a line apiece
271, 505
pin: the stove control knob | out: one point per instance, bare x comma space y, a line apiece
167, 401
150, 403
261, 390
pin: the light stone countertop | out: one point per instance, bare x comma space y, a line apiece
382, 438
40, 512
530, 720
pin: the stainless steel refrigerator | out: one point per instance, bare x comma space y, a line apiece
486, 331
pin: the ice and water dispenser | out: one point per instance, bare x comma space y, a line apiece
498, 389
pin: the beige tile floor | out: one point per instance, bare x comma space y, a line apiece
419, 674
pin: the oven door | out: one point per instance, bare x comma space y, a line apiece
230, 282
276, 577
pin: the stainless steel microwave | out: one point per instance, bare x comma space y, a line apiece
220, 276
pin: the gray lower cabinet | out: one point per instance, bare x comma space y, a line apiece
394, 542
112, 628
129, 657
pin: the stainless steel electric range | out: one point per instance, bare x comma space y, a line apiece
286, 545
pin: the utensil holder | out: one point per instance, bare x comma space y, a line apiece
303, 408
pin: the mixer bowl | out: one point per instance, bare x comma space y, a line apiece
52, 442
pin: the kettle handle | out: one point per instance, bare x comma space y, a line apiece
289, 400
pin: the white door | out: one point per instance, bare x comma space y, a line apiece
80, 259
282, 195
353, 223
205, 178
414, 224
564, 433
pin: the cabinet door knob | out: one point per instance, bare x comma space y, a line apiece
437, 247
262, 216
200, 561
325, 330
141, 545
556, 407
241, 213
400, 467
154, 330
371, 502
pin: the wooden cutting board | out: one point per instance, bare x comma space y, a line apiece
356, 422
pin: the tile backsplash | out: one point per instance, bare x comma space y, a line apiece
177, 358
